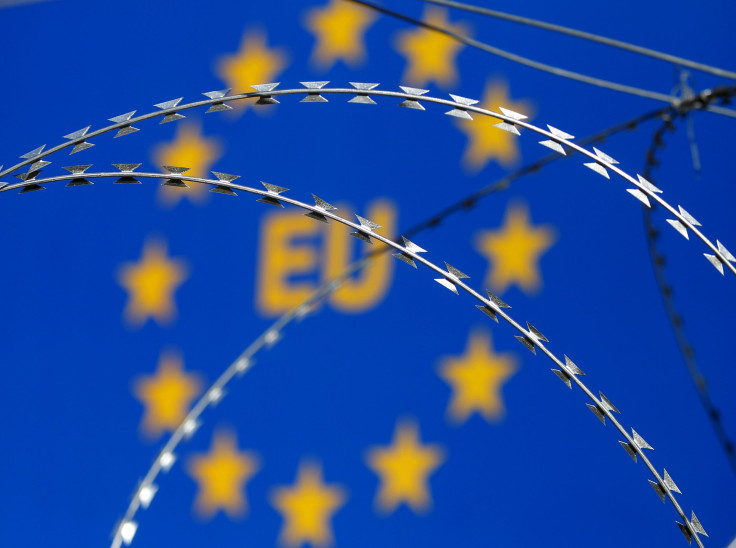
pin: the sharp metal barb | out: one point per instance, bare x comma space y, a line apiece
649, 186
537, 334
79, 147
321, 204
225, 177
696, 525
77, 169
603, 156
273, 189
657, 489
123, 117
403, 257
362, 86
411, 246
574, 369
317, 217
597, 168
413, 91
267, 87
559, 133
497, 300
526, 341
448, 284
412, 103
488, 312
77, 134
223, 190
670, 483
639, 195
686, 532
715, 261
564, 377
459, 113
677, 225
175, 169
217, 94
35, 152
639, 441
554, 145
629, 449
361, 236
511, 128
367, 223
512, 114
597, 412
725, 252
270, 201
455, 272
689, 218
168, 104
605, 402
127, 168
125, 130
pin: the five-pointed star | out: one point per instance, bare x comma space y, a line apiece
339, 29
307, 508
253, 64
513, 251
151, 284
221, 476
476, 378
166, 396
189, 149
431, 55
404, 468
486, 142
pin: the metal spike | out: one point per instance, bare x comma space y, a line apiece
639, 441
511, 128
175, 169
217, 107
190, 427
127, 531
31, 188
411, 103
696, 525
686, 532
559, 133
266, 87
536, 332
448, 284
273, 189
242, 365
127, 168
217, 94
657, 489
362, 236
35, 152
226, 177
28, 176
463, 100
605, 402
314, 85
77, 134
677, 225
603, 156
526, 341
363, 86
488, 312
79, 147
408, 260
689, 218
715, 261
321, 204
725, 252
38, 165
497, 300
77, 169
629, 449
597, 412
123, 117
146, 494
271, 337
127, 181
454, 271
168, 104
171, 118
80, 181
649, 186
367, 223
362, 99
167, 460
411, 246
223, 190
314, 98
670, 483
512, 114
270, 201
639, 195
459, 113
554, 145
317, 216
413, 91
564, 377
125, 130
597, 168
175, 183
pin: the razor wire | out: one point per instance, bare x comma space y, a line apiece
461, 107
590, 36
544, 67
666, 290
410, 253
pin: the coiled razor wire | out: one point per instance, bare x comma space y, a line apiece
658, 261
410, 253
461, 107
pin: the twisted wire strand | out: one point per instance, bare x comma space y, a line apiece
666, 291
592, 37
557, 140
451, 279
544, 67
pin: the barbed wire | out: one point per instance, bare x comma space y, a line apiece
666, 290
410, 253
544, 67
590, 36
461, 107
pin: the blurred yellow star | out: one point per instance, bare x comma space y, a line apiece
486, 142
404, 468
253, 64
431, 55
339, 28
221, 475
189, 149
307, 508
151, 283
166, 396
513, 251
476, 378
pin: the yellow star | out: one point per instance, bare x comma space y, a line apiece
476, 378
221, 475
514, 250
404, 468
431, 55
307, 508
166, 396
253, 64
151, 284
189, 149
486, 142
339, 29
